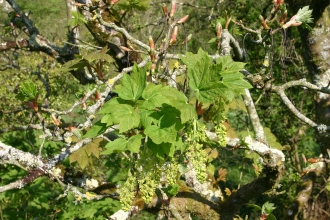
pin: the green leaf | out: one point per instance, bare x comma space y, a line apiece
161, 150
134, 143
159, 135
267, 208
28, 92
99, 55
271, 217
204, 81
255, 207
178, 100
169, 118
119, 145
81, 157
153, 96
209, 81
126, 116
93, 147
97, 129
171, 191
73, 65
133, 86
304, 15
188, 112
109, 106
107, 119
148, 117
213, 40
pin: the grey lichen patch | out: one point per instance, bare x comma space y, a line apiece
320, 41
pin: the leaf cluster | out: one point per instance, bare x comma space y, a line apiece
209, 80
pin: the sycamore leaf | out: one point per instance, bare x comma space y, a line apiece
107, 119
153, 96
81, 157
74, 65
148, 117
169, 118
126, 116
110, 105
159, 135
93, 147
28, 92
97, 129
133, 86
267, 208
204, 81
209, 81
178, 100
99, 56
161, 150
134, 143
255, 207
119, 145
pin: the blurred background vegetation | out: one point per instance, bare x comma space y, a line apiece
37, 201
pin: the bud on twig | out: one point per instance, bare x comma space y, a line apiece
152, 68
55, 120
278, 2
218, 29
165, 10
152, 49
151, 43
175, 33
263, 22
173, 9
285, 14
97, 95
187, 39
182, 20
313, 160
113, 2
125, 48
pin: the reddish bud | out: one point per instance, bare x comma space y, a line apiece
165, 10
313, 160
55, 120
151, 43
183, 20
173, 9
32, 105
263, 22
218, 29
187, 39
152, 55
174, 34
84, 106
97, 95
114, 2
278, 2
285, 14
152, 68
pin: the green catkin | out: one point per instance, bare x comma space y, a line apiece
127, 192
